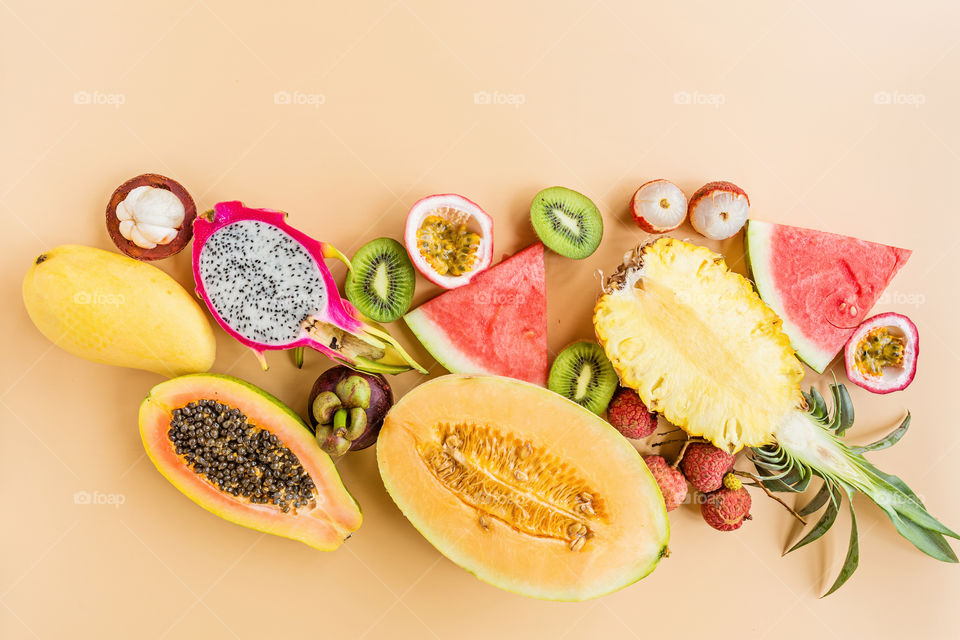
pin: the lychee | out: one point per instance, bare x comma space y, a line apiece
726, 509
672, 484
659, 206
718, 210
704, 466
627, 413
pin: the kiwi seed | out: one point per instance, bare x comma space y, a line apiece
382, 280
583, 373
568, 222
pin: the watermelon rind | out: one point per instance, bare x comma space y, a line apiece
758, 247
437, 342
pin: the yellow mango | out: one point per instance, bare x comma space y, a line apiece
109, 308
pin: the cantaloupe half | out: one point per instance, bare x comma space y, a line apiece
331, 516
523, 488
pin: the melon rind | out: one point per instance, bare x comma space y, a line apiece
621, 464
432, 336
758, 246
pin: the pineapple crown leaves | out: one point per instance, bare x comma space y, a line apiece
791, 471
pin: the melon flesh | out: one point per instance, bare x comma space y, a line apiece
822, 285
522, 487
323, 525
496, 324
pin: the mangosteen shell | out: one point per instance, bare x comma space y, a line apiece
381, 399
160, 251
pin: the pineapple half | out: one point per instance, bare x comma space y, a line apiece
698, 344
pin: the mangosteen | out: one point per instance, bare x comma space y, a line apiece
150, 217
346, 409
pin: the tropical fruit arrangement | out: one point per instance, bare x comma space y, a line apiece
526, 472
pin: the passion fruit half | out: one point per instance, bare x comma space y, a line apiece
449, 239
150, 217
881, 355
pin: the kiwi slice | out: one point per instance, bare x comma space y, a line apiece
567, 222
382, 280
583, 373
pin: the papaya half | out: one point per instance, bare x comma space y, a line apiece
522, 487
243, 455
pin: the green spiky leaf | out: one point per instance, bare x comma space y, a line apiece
895, 495
817, 406
888, 441
852, 560
818, 500
823, 525
790, 465
843, 408
931, 543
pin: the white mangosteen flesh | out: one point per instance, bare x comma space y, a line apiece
150, 216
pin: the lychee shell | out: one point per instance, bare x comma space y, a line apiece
672, 484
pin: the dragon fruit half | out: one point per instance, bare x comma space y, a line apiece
268, 286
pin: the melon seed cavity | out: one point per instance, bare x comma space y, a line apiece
513, 482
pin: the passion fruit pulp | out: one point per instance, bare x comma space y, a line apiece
449, 239
881, 355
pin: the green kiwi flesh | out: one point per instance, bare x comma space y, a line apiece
381, 283
568, 222
582, 373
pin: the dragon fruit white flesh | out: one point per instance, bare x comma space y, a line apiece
267, 285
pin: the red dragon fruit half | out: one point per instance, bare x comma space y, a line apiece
268, 286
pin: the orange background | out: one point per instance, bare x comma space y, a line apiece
840, 116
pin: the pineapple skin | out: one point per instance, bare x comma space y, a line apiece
698, 344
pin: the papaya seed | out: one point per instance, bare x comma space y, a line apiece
324, 406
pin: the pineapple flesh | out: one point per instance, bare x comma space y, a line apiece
698, 344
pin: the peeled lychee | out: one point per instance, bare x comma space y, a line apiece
627, 413
659, 206
704, 465
726, 509
718, 210
672, 484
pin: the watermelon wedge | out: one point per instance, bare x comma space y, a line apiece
822, 285
496, 324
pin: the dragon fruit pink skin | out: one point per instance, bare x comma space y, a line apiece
263, 240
